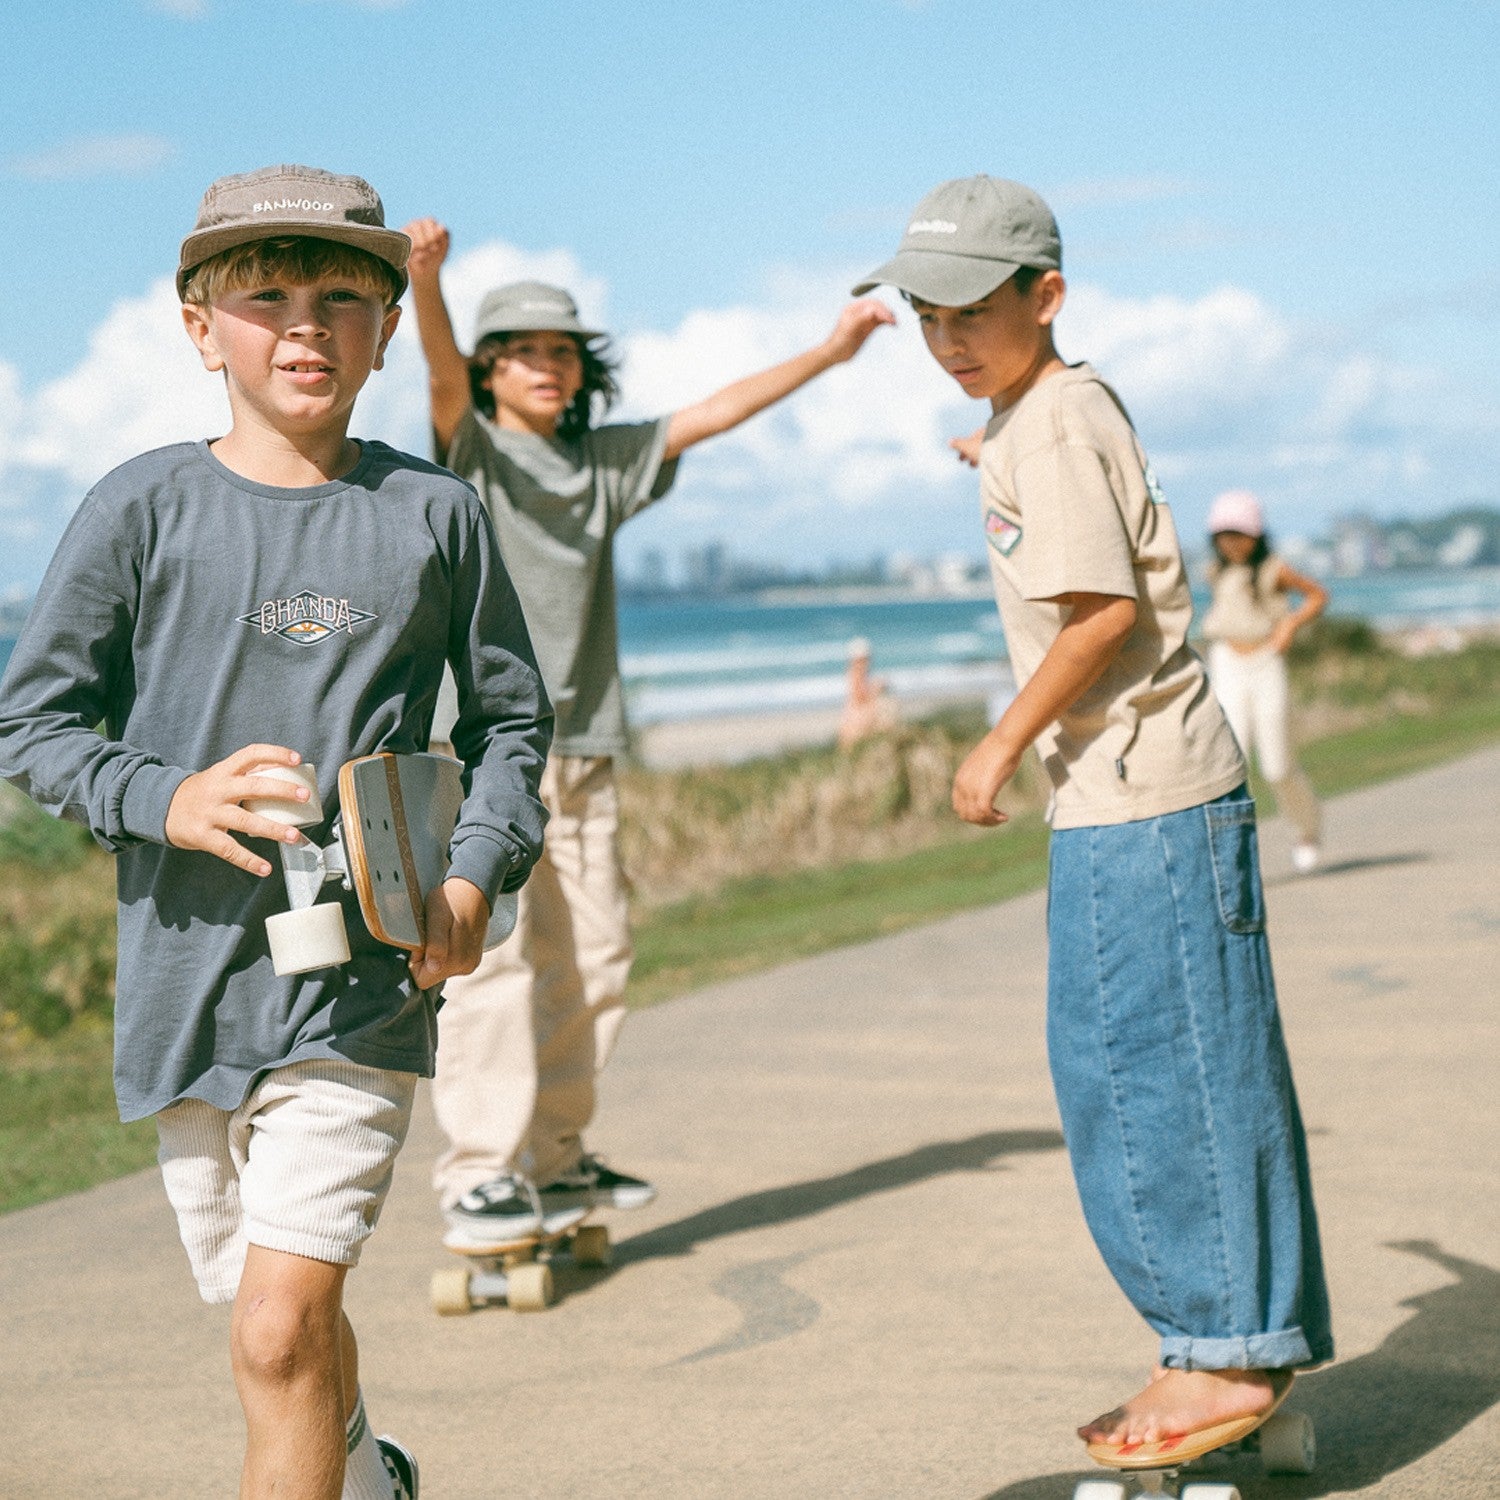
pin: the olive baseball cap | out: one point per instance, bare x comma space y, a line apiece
965, 238
287, 200
529, 307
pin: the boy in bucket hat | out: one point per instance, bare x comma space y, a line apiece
279, 595
525, 1035
1163, 1035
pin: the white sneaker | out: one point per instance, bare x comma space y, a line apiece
1306, 858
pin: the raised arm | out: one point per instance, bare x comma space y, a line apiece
738, 402
447, 368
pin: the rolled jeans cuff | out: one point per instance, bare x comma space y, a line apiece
1258, 1351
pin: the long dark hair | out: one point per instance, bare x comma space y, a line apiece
1258, 554
599, 366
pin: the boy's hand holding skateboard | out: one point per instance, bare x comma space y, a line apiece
210, 803
457, 919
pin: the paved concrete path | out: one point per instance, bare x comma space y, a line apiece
867, 1274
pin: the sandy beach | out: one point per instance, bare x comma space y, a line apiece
725, 739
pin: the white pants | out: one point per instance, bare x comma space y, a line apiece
521, 1039
1253, 689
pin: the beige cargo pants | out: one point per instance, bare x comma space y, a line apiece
521, 1039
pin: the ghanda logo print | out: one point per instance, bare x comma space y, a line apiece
307, 618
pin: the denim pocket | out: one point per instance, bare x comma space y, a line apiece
1236, 856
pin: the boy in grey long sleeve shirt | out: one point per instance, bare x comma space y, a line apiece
280, 593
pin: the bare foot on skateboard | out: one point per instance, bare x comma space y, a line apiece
1177, 1403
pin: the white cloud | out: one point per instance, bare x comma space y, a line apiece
130, 155
1225, 389
139, 385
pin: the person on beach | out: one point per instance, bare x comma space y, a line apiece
868, 707
1165, 1043
281, 596
1249, 626
524, 1037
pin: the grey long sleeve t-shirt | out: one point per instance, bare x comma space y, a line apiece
190, 612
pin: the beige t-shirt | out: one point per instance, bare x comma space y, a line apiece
1246, 604
1071, 506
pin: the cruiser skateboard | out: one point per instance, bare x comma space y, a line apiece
389, 846
516, 1272
1283, 1439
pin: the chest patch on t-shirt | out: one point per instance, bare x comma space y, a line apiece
306, 618
1001, 534
1153, 487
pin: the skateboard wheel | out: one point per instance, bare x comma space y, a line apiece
450, 1292
1210, 1492
528, 1288
311, 938
1287, 1443
591, 1246
285, 810
1100, 1489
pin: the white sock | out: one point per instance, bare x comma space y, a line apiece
365, 1476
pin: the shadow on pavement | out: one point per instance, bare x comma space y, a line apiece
1381, 1411
801, 1200
1347, 867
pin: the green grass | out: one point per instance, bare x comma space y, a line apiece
58, 1127
754, 924
59, 1131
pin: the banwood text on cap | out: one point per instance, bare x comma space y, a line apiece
289, 200
529, 307
968, 236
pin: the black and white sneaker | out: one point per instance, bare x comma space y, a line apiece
504, 1208
401, 1464
616, 1189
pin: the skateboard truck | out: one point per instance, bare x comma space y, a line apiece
518, 1273
389, 845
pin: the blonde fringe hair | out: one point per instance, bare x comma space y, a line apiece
299, 259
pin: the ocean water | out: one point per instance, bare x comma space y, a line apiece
690, 659
685, 659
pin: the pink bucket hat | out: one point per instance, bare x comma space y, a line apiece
1237, 510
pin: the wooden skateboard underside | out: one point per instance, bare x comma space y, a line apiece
398, 817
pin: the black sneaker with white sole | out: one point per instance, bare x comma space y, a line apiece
506, 1207
401, 1464
592, 1184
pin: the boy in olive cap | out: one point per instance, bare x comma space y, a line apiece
1165, 1044
281, 593
525, 1035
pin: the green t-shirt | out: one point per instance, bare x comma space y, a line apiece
556, 506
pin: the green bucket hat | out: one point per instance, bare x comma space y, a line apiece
965, 238
530, 307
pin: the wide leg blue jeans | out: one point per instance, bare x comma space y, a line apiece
1175, 1089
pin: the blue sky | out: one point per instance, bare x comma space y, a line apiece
1279, 224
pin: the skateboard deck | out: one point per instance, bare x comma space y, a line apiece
517, 1272
1283, 1438
389, 846
399, 812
